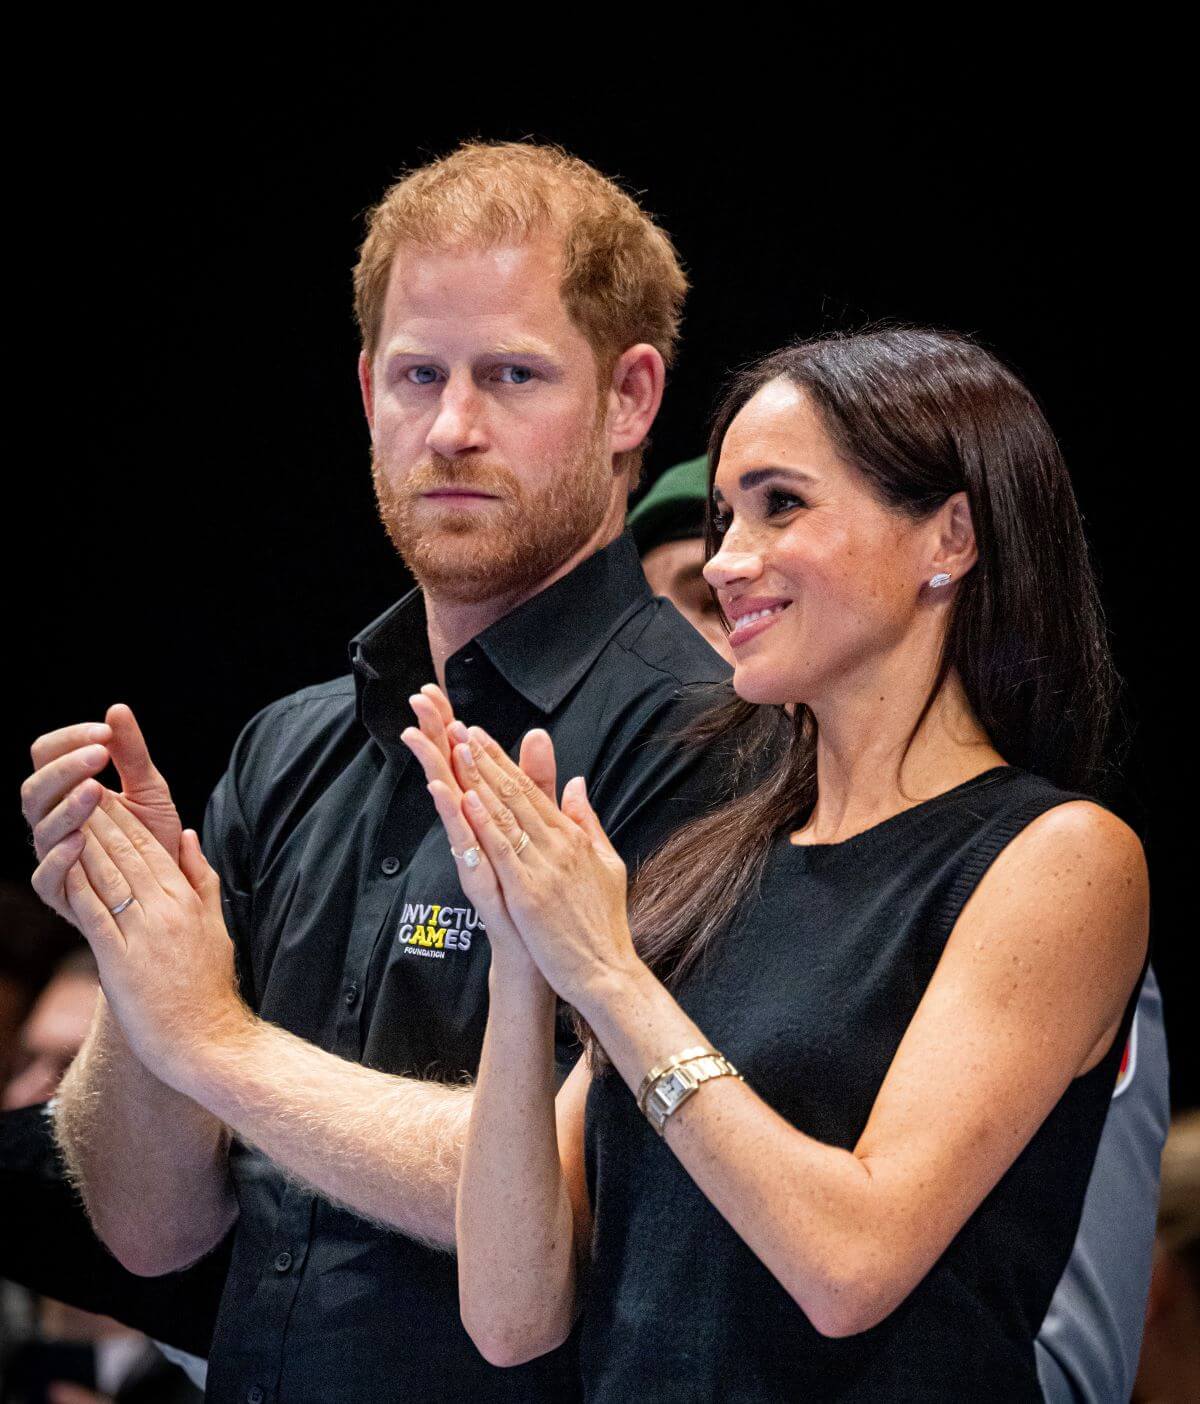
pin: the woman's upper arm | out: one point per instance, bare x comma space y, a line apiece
1028, 994
569, 1108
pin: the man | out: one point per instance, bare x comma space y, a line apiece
667, 527
340, 905
1087, 1347
517, 314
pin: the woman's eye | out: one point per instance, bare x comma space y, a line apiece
721, 521
780, 501
515, 375
422, 375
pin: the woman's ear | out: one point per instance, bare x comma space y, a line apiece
952, 545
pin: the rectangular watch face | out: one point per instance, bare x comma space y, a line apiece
671, 1091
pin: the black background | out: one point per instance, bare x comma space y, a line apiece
199, 536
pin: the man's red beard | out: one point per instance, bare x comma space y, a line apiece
506, 548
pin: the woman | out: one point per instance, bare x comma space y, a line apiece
874, 1007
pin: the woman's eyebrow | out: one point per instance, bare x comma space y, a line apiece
759, 475
753, 476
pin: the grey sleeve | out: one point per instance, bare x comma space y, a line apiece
1087, 1349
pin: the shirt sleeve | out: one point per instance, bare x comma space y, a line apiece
660, 779
1088, 1346
226, 840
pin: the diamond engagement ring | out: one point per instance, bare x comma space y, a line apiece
120, 907
470, 856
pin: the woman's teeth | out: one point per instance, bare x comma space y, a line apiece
743, 619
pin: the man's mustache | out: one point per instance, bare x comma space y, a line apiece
445, 473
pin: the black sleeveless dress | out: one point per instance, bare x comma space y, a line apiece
809, 992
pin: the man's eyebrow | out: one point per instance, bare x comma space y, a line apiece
754, 476
517, 347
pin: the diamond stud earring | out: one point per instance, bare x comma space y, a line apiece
940, 579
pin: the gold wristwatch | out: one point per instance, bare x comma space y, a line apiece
665, 1088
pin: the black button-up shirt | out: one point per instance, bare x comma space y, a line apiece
352, 931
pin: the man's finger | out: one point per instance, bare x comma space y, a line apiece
90, 909
49, 877
159, 864
69, 814
68, 738
52, 782
140, 779
123, 854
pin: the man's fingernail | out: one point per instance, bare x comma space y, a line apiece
93, 755
99, 732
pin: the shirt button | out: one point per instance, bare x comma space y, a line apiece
254, 1395
389, 867
351, 996
282, 1263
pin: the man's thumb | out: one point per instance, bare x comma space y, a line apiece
197, 869
139, 778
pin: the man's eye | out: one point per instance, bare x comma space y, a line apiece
422, 375
515, 375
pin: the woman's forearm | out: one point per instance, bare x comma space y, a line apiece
516, 1258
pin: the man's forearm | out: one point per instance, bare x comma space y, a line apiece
150, 1164
389, 1148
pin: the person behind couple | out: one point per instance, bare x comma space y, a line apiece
517, 313
917, 940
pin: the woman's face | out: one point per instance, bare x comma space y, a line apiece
821, 582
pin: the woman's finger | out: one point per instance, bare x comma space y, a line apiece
476, 875
440, 701
510, 783
431, 760
510, 869
429, 719
577, 806
510, 820
538, 762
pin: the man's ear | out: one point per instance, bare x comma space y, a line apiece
952, 544
366, 388
635, 393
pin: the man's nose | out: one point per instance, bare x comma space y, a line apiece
458, 426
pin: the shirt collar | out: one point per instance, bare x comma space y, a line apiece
542, 649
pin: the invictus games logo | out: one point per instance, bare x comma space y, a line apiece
431, 929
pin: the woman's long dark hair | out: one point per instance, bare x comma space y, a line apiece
922, 415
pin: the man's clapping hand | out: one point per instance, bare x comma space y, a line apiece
61, 796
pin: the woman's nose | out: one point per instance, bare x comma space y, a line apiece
730, 565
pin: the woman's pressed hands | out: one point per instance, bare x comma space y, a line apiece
432, 743
566, 889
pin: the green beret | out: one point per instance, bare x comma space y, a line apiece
673, 509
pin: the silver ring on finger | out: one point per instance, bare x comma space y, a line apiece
120, 907
470, 856
521, 844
